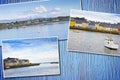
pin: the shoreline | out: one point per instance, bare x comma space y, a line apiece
27, 65
17, 24
20, 66
94, 30
23, 26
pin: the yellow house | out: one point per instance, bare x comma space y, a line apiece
16, 62
114, 29
85, 25
72, 23
101, 27
98, 27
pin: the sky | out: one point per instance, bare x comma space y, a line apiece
36, 50
41, 8
96, 16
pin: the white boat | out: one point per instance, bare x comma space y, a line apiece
109, 43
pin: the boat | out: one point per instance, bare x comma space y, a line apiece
109, 43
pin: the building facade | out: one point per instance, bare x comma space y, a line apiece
8, 62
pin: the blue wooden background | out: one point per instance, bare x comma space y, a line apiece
83, 66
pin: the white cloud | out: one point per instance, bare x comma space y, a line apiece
6, 48
55, 11
40, 9
37, 12
33, 13
36, 54
27, 15
96, 16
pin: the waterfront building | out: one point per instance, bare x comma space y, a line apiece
119, 29
91, 25
108, 29
78, 25
10, 62
72, 23
85, 25
114, 29
98, 27
15, 62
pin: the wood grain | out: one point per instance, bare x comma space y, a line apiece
84, 66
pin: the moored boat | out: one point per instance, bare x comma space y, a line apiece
109, 43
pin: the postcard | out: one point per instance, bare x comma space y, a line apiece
44, 18
30, 57
94, 32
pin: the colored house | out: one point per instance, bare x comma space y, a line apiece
72, 23
78, 25
119, 29
98, 27
8, 62
85, 25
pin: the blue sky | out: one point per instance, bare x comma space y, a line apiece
36, 50
96, 16
44, 8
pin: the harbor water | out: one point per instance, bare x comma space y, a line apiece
91, 42
43, 69
59, 29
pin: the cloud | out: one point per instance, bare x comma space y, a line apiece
6, 48
28, 15
55, 11
40, 9
34, 55
96, 16
43, 53
39, 12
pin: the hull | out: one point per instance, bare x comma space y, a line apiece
112, 48
111, 45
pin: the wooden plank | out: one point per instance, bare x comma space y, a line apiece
100, 5
117, 6
13, 1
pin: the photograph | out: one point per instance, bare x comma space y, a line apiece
94, 32
30, 57
42, 18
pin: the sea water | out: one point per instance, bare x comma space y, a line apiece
59, 29
43, 69
91, 42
